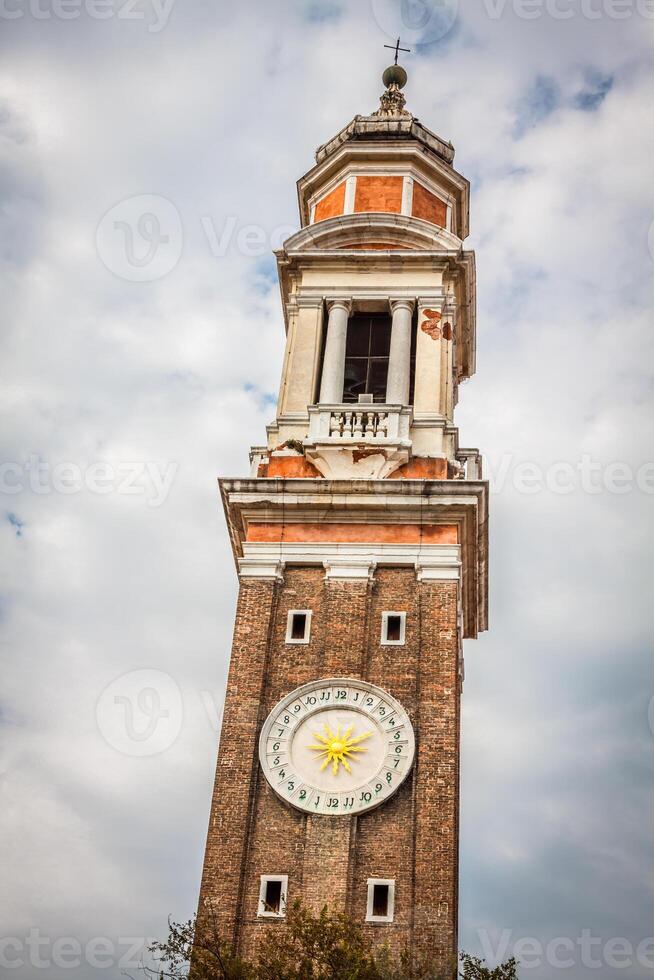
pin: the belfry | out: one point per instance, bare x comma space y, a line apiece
360, 540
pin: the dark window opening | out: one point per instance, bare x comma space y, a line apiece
366, 356
273, 897
321, 362
394, 629
298, 626
380, 897
414, 342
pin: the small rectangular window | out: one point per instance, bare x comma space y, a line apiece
393, 628
298, 627
272, 896
381, 900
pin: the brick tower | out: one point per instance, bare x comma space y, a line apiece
360, 541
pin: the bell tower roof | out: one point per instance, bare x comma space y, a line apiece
392, 121
401, 126
359, 169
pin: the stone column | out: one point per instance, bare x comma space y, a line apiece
399, 364
333, 368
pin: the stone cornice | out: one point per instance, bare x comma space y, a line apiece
374, 126
413, 234
455, 502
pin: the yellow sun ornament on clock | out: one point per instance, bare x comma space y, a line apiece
337, 748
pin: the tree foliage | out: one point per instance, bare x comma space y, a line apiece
315, 947
475, 969
305, 946
210, 956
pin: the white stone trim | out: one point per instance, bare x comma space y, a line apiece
307, 628
407, 196
406, 153
385, 642
412, 494
391, 900
437, 299
261, 567
426, 572
262, 912
350, 194
344, 516
432, 562
305, 302
420, 235
350, 570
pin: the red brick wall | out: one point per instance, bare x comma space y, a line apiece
414, 837
379, 194
332, 204
422, 468
237, 769
426, 205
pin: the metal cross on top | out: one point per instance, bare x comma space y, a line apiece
396, 48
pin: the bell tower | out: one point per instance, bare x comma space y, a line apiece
360, 541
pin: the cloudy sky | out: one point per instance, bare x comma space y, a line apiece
141, 358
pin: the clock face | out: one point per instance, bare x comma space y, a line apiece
336, 747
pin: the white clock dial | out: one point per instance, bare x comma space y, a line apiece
336, 747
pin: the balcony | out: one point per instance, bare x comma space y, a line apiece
363, 441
